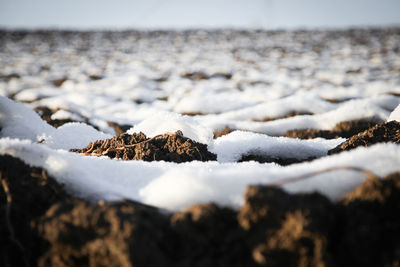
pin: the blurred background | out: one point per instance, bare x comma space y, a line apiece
183, 14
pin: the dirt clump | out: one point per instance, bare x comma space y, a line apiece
59, 82
344, 129
25, 193
286, 229
385, 132
209, 235
168, 147
104, 234
368, 224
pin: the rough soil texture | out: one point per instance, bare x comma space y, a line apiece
385, 132
272, 228
168, 147
25, 193
343, 129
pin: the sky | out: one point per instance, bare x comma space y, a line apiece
266, 14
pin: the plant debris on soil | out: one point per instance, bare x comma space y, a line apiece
385, 132
343, 129
49, 227
168, 147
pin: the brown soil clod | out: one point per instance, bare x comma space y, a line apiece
59, 82
25, 194
343, 129
368, 224
168, 147
286, 229
385, 132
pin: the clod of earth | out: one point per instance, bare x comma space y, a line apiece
385, 132
343, 129
168, 147
25, 193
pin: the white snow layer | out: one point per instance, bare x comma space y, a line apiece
167, 122
18, 121
395, 115
231, 147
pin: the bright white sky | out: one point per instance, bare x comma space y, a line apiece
88, 14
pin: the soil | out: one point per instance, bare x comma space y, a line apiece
25, 193
168, 147
45, 226
269, 159
198, 75
343, 129
222, 132
45, 113
289, 115
385, 132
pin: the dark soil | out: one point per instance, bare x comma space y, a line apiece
59, 82
385, 132
45, 113
25, 193
198, 75
269, 159
168, 147
119, 128
47, 227
289, 115
343, 129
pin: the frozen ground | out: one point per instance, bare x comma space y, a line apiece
248, 81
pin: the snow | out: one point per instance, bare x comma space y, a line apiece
21, 122
167, 122
395, 115
231, 147
142, 85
